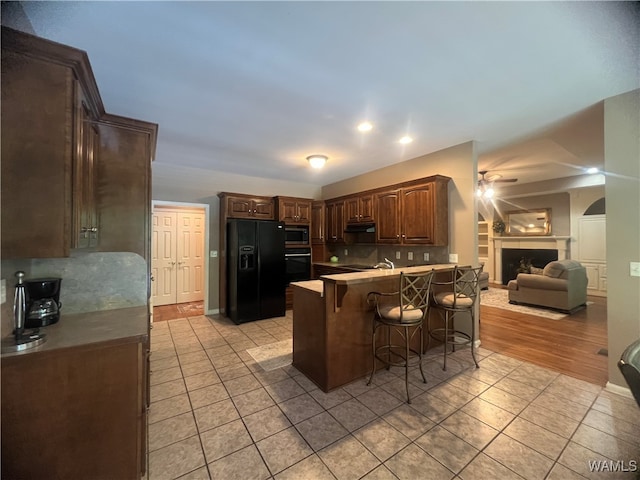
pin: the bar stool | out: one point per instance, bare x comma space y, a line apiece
403, 312
460, 296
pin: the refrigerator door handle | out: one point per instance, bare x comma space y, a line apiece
297, 255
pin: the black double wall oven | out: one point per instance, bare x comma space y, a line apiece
298, 264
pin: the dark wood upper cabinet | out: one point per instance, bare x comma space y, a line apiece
238, 205
317, 233
335, 221
53, 185
388, 217
417, 214
294, 210
411, 213
359, 209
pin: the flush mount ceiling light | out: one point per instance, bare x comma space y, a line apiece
317, 161
365, 127
406, 139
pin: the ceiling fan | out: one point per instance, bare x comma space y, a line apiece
485, 184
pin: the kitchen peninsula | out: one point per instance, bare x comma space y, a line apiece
332, 327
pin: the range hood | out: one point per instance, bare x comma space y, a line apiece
360, 228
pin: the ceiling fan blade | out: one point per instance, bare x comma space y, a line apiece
505, 180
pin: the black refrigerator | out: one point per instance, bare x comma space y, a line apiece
255, 270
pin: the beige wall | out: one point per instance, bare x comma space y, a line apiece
191, 185
460, 163
622, 166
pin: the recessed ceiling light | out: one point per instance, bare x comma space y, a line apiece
406, 139
317, 161
365, 127
592, 170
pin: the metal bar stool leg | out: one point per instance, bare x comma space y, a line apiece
473, 336
406, 362
373, 343
421, 329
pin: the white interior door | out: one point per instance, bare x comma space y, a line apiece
163, 258
190, 271
177, 262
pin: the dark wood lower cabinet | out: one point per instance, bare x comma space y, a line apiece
75, 413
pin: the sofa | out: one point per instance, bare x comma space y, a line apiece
562, 285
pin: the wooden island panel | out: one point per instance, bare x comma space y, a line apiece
332, 324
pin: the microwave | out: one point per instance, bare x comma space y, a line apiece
296, 235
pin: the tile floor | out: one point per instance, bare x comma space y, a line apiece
215, 414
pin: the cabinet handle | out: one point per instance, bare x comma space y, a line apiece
180, 263
173, 263
398, 236
404, 236
93, 229
152, 278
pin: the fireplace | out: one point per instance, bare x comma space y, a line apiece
558, 244
513, 257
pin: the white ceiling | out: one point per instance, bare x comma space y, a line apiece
255, 87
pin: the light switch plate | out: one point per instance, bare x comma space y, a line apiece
397, 255
410, 256
213, 253
634, 269
346, 252
425, 256
453, 258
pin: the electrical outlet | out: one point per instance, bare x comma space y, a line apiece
425, 256
346, 252
398, 256
213, 253
453, 258
410, 256
634, 269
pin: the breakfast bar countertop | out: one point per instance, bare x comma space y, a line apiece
381, 273
81, 329
313, 285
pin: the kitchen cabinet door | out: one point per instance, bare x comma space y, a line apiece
425, 213
388, 217
37, 112
417, 211
335, 222
317, 233
124, 185
239, 206
85, 217
359, 209
294, 210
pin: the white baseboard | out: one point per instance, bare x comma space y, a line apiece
618, 390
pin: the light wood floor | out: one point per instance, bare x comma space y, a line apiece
178, 310
569, 345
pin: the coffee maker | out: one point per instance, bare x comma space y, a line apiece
42, 302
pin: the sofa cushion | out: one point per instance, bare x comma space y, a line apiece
541, 282
559, 268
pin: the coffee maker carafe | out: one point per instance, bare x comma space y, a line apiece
43, 302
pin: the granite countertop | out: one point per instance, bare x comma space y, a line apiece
80, 329
380, 273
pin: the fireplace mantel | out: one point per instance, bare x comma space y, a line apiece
560, 243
